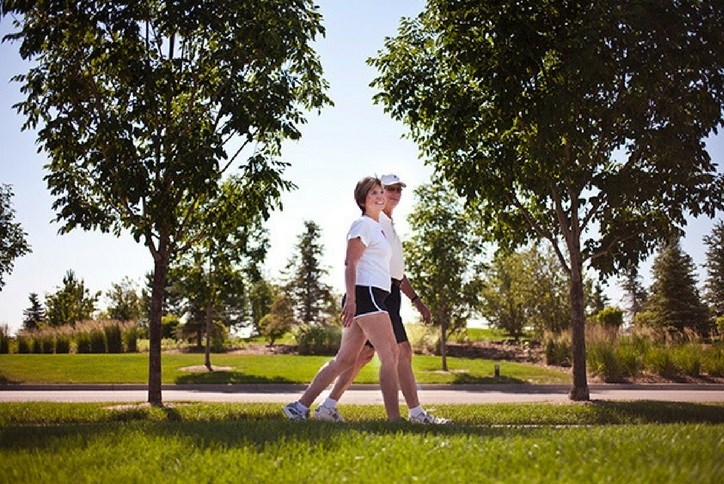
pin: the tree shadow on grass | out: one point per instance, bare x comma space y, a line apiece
467, 378
227, 377
6, 381
261, 425
647, 411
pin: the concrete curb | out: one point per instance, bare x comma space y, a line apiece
297, 387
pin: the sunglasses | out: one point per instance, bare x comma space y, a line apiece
394, 189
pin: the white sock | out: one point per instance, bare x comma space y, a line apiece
330, 403
414, 412
301, 407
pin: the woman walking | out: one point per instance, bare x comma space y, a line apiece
364, 315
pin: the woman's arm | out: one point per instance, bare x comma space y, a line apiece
355, 248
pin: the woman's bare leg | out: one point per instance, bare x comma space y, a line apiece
378, 329
353, 338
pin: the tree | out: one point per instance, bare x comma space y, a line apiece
314, 301
280, 318
674, 303
525, 289
213, 274
714, 285
261, 299
13, 243
71, 303
581, 123
634, 292
145, 105
124, 301
597, 300
34, 316
442, 259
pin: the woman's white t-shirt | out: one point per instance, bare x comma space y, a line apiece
373, 268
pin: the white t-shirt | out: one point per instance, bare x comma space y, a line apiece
373, 268
397, 261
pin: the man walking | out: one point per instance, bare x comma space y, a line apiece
393, 187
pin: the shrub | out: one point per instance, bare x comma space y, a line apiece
610, 317
645, 319
318, 340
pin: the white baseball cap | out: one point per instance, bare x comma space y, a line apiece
391, 179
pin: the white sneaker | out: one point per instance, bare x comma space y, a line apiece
427, 419
327, 414
293, 412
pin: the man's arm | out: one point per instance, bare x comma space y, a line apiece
409, 291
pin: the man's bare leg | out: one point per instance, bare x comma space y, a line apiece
408, 383
346, 378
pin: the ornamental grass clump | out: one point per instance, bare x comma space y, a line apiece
4, 340
559, 350
112, 332
713, 360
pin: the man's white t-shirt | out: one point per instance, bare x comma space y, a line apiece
373, 268
397, 262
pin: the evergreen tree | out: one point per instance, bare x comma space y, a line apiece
34, 316
313, 299
71, 303
634, 292
714, 286
674, 302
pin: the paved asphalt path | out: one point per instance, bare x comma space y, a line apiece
360, 394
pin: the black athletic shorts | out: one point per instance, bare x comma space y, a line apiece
393, 302
370, 300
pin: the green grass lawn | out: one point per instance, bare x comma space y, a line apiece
597, 442
248, 368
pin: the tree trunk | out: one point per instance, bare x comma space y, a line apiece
154, 350
443, 339
207, 316
579, 392
207, 352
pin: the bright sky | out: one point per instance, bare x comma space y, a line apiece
346, 142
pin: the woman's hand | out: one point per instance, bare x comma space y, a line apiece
350, 307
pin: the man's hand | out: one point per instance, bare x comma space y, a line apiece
424, 311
